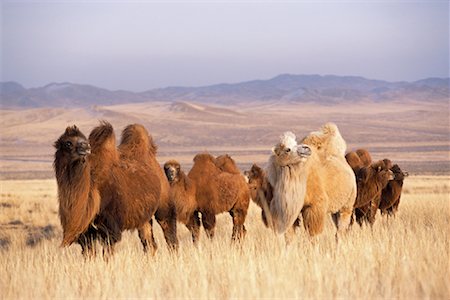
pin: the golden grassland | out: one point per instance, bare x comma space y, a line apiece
402, 257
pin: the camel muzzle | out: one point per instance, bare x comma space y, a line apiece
83, 148
304, 150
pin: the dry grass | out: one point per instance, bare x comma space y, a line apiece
405, 257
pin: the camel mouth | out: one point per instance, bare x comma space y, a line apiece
170, 174
83, 151
304, 151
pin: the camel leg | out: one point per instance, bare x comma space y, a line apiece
167, 219
239, 230
373, 211
108, 242
209, 223
290, 233
87, 243
109, 234
359, 216
147, 239
313, 219
343, 219
394, 207
194, 227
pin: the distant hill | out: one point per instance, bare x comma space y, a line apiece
326, 90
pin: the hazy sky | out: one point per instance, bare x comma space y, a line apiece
148, 44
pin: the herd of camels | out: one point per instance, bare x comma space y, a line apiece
105, 189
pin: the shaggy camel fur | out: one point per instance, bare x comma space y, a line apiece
371, 181
329, 183
106, 192
364, 156
165, 214
390, 196
182, 194
261, 191
287, 174
332, 176
358, 159
227, 164
218, 191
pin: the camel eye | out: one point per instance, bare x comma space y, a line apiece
68, 144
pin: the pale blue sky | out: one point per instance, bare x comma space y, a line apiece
149, 44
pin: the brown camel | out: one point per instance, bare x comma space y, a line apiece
182, 194
218, 191
103, 191
371, 181
390, 196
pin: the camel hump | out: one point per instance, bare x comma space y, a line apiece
102, 136
134, 133
330, 129
327, 139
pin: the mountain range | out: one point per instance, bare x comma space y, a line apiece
325, 90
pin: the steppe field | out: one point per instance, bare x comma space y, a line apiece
406, 257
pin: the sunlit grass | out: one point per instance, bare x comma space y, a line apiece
403, 257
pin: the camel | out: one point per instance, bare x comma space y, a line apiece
323, 182
390, 196
218, 191
166, 213
102, 190
371, 181
182, 194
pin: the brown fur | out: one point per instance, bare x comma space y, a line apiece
218, 191
260, 189
165, 214
371, 181
129, 191
227, 164
79, 199
390, 196
358, 159
182, 194
364, 156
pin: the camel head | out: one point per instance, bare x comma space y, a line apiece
388, 163
172, 169
288, 152
72, 145
398, 173
378, 172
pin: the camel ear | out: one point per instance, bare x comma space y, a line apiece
276, 150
